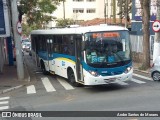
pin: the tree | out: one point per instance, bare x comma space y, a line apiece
125, 8
146, 33
37, 12
64, 22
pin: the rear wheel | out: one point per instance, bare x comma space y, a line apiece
72, 80
156, 76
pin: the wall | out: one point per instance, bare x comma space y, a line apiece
1, 54
137, 47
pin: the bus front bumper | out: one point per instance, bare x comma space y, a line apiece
100, 80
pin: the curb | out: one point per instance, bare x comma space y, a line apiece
11, 89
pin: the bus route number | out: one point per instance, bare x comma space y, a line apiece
105, 35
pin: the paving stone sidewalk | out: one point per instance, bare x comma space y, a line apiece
9, 80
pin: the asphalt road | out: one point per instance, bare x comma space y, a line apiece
139, 94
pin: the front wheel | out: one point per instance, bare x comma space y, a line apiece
72, 80
43, 69
156, 76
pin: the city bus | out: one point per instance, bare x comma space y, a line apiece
90, 55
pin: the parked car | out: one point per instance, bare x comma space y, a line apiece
155, 69
26, 46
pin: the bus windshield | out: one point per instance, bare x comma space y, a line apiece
108, 49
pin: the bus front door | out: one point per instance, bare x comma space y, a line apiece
78, 55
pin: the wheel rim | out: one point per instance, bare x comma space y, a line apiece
156, 76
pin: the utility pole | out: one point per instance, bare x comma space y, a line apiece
156, 50
17, 38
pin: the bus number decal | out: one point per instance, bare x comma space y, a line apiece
53, 62
63, 63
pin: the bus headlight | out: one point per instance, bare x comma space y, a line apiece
128, 69
94, 73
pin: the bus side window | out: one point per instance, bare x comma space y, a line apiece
71, 46
57, 43
65, 45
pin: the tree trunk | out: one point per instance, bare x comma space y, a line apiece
146, 33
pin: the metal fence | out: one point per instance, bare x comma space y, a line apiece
137, 43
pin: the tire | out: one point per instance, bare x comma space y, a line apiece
71, 78
43, 68
156, 76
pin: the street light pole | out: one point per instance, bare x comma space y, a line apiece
17, 38
156, 50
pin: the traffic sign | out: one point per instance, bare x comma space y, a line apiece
156, 26
19, 28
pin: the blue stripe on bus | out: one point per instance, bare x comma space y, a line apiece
107, 71
101, 71
44, 56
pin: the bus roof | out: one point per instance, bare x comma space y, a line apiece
79, 30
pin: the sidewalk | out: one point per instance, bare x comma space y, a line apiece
136, 68
9, 80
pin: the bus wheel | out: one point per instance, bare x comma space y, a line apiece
43, 68
71, 78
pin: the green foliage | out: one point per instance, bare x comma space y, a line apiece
38, 12
64, 22
26, 29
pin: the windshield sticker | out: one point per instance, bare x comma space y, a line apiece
111, 59
94, 59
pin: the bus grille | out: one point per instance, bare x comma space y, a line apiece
112, 73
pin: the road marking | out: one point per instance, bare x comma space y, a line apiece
65, 84
3, 102
47, 84
137, 81
141, 76
4, 107
121, 83
4, 98
31, 89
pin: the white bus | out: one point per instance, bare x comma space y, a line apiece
92, 55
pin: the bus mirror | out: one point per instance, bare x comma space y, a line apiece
83, 45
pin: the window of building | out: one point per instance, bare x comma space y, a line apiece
78, 10
91, 0
91, 10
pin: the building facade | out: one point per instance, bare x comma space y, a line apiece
82, 10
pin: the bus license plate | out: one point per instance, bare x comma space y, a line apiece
110, 80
